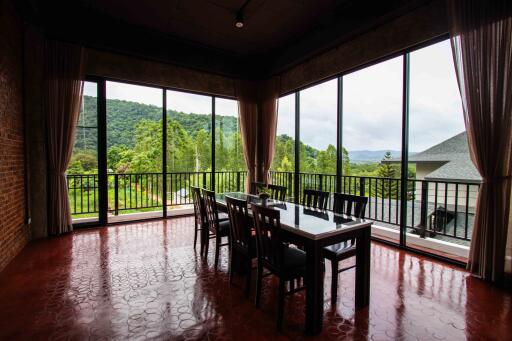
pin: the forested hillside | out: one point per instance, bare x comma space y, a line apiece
134, 143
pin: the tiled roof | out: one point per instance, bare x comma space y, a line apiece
454, 153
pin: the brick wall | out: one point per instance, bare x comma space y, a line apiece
14, 234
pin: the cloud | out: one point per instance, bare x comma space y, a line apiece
372, 104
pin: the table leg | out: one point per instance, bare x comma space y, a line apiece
314, 289
363, 268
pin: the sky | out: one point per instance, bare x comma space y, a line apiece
372, 104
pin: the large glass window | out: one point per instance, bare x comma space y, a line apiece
82, 173
318, 122
189, 146
283, 165
444, 182
134, 151
372, 130
229, 158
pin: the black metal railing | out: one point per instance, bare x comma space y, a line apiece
433, 207
145, 191
83, 193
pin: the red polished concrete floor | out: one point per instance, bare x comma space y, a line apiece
145, 280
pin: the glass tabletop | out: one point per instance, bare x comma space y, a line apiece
310, 223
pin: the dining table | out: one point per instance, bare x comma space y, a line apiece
314, 229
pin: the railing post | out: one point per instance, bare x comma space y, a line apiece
362, 189
321, 185
204, 179
423, 209
238, 181
116, 194
290, 182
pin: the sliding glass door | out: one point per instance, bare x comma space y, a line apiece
371, 135
82, 172
134, 151
282, 172
318, 120
443, 181
189, 148
393, 132
230, 170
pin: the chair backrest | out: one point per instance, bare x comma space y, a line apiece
268, 235
315, 199
255, 187
277, 192
353, 205
240, 222
199, 210
212, 215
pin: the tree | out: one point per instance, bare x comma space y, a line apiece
387, 188
83, 162
327, 160
181, 151
203, 149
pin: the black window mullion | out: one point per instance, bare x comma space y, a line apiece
164, 153
297, 148
102, 152
339, 137
405, 148
212, 180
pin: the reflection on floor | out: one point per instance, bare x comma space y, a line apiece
146, 281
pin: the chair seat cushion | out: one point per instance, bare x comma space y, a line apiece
293, 258
340, 251
224, 227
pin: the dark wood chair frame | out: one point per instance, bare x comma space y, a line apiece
270, 248
243, 242
351, 205
212, 216
277, 192
200, 221
315, 199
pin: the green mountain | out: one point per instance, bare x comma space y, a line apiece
123, 116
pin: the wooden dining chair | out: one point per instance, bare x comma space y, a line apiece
277, 192
315, 199
287, 263
243, 242
216, 228
256, 186
200, 221
351, 205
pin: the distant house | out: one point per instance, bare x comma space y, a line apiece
452, 180
447, 161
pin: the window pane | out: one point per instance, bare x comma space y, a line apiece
283, 165
189, 146
372, 129
229, 157
444, 182
82, 172
134, 151
318, 119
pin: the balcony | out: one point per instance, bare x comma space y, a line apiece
439, 213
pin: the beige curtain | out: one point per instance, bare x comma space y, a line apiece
269, 95
481, 37
247, 95
64, 74
508, 252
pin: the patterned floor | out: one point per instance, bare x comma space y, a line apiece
145, 281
